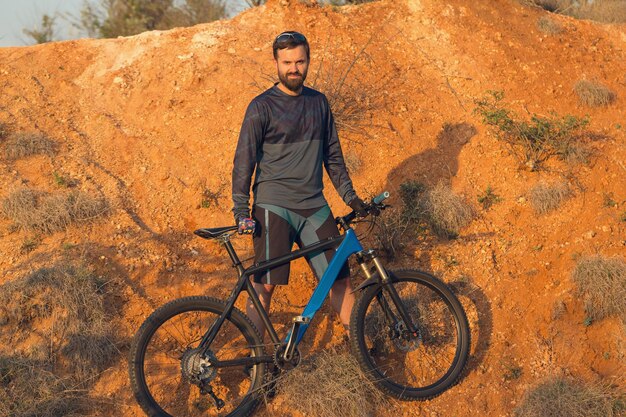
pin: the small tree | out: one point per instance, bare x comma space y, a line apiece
112, 18
44, 32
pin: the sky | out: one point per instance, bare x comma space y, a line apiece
16, 15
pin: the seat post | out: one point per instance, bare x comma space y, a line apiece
233, 255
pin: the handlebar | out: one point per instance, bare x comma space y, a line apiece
376, 203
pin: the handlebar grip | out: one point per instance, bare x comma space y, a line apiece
380, 197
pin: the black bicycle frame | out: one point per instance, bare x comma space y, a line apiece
244, 283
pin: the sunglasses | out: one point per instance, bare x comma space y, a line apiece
285, 36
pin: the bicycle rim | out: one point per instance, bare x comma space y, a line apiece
412, 368
165, 350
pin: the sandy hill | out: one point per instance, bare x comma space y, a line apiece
150, 122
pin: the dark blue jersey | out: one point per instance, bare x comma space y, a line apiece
286, 141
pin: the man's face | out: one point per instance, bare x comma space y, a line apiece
292, 66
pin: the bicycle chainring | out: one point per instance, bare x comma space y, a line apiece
283, 364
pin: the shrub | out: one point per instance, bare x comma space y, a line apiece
67, 302
602, 284
593, 93
353, 162
488, 198
530, 142
394, 224
334, 386
113, 18
29, 389
44, 212
560, 397
545, 197
22, 144
211, 195
607, 11
4, 131
447, 213
411, 194
352, 99
548, 26
389, 236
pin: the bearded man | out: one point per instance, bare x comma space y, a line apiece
287, 138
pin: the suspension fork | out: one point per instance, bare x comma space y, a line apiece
387, 286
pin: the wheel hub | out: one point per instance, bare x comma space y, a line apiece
197, 368
405, 340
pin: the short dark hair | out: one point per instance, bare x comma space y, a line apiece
289, 40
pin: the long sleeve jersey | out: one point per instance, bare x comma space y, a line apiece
288, 139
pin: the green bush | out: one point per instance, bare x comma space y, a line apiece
113, 18
531, 142
488, 198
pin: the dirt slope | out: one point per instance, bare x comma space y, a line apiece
150, 121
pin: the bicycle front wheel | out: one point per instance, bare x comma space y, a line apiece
410, 367
170, 376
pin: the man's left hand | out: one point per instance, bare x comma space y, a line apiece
359, 207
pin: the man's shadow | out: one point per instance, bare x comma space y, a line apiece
430, 168
436, 164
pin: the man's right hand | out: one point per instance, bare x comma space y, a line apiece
246, 226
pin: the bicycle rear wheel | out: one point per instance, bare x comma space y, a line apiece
167, 372
404, 366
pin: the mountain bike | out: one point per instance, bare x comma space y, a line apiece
200, 356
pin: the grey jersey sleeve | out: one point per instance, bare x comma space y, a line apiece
250, 139
334, 162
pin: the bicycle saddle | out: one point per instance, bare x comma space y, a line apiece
215, 232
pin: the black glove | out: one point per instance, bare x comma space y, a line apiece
359, 207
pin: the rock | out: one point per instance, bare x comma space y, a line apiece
589, 235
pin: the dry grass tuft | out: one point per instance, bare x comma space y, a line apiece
593, 93
353, 162
606, 11
22, 144
4, 130
447, 212
549, 26
47, 213
560, 397
29, 389
333, 384
546, 197
65, 304
602, 283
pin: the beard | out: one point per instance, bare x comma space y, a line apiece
292, 83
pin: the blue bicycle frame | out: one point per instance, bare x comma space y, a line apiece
347, 248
